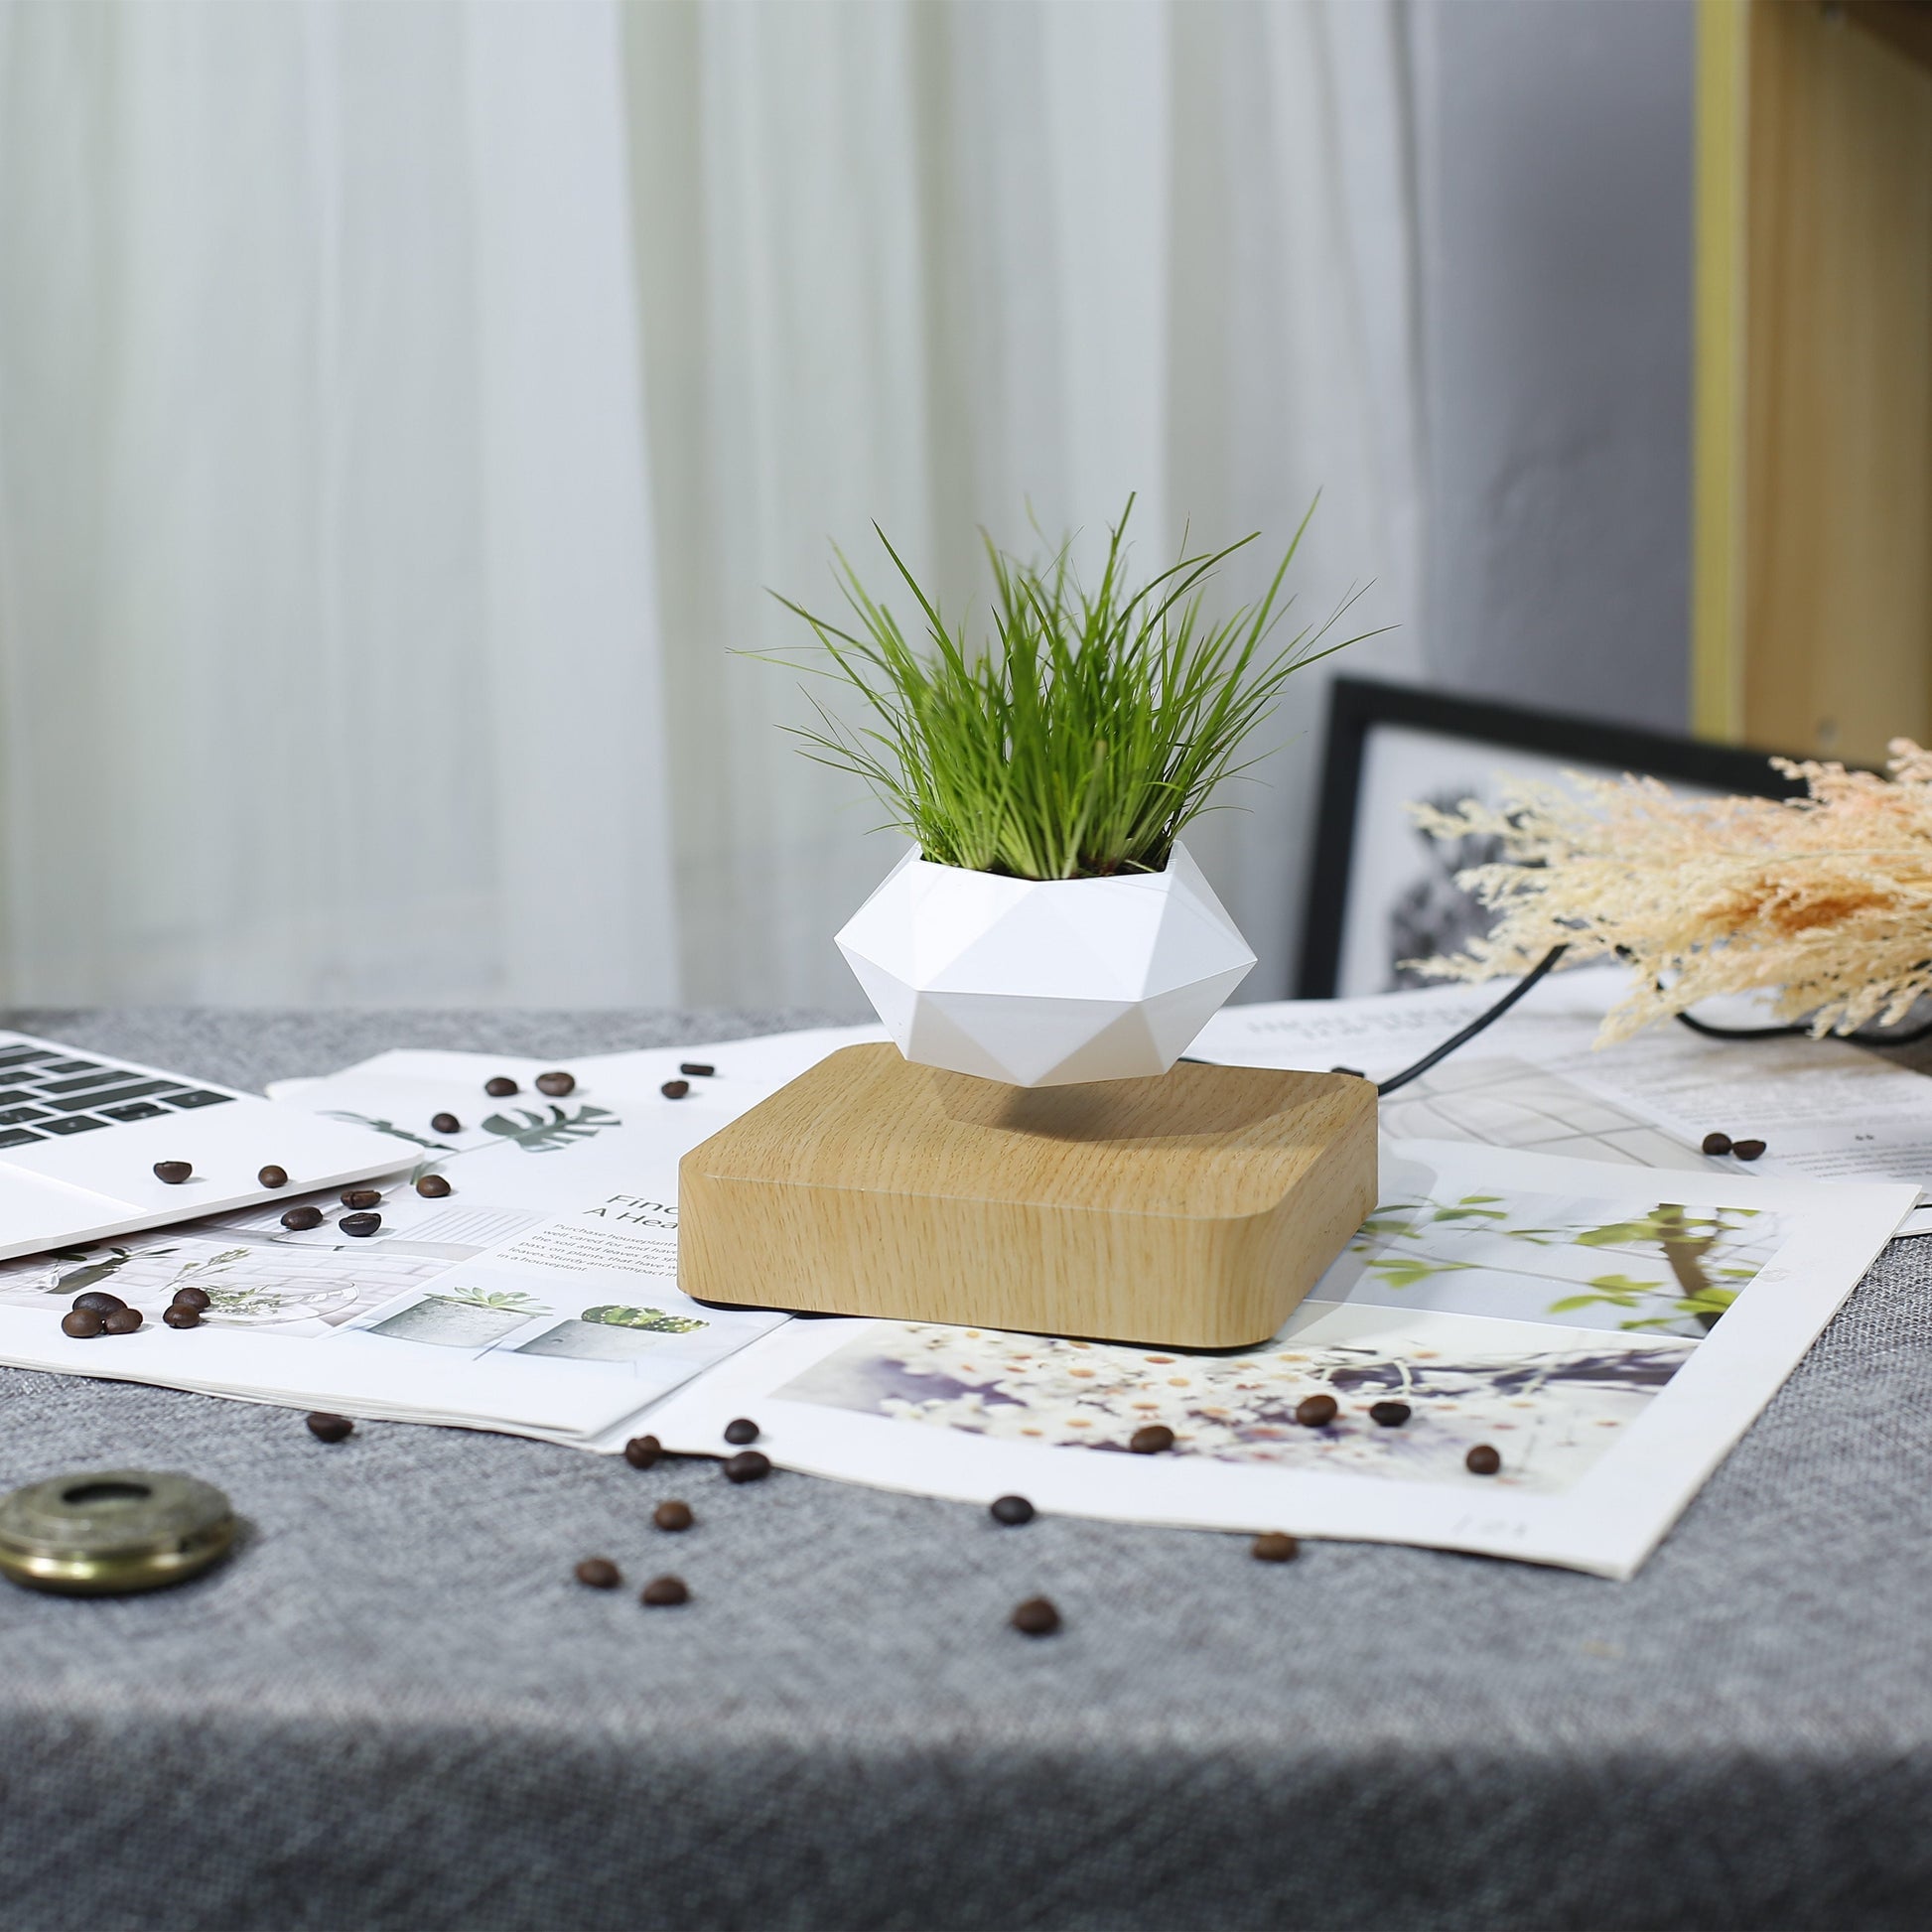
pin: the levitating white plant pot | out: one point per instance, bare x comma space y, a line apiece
1043, 983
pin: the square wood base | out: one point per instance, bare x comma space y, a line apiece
1195, 1210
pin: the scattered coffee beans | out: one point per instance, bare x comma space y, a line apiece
1151, 1439
192, 1297
326, 1428
432, 1187
556, 1085
359, 1223
1315, 1412
1747, 1150
1037, 1618
99, 1300
299, 1218
123, 1321
361, 1198
1482, 1460
1716, 1143
273, 1176
82, 1324
675, 1089
445, 1124
642, 1451
599, 1572
1012, 1510
664, 1592
174, 1173
673, 1516
1389, 1415
181, 1315
1275, 1548
499, 1086
747, 1465
698, 1069
740, 1431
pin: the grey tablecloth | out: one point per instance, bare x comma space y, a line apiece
394, 1709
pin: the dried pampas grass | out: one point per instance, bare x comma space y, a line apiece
1827, 899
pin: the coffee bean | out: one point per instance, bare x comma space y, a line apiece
556, 1085
664, 1592
361, 1198
181, 1315
1273, 1547
1012, 1510
1390, 1415
445, 1124
1747, 1150
432, 1187
740, 1431
499, 1086
99, 1300
82, 1324
747, 1465
675, 1089
698, 1069
599, 1572
1037, 1618
302, 1218
1315, 1412
1482, 1460
1151, 1439
673, 1516
1716, 1143
273, 1176
192, 1297
326, 1428
359, 1223
174, 1173
123, 1321
642, 1451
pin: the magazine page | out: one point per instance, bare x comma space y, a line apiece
1603, 1332
1825, 1110
533, 1288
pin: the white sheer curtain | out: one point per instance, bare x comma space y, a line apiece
403, 410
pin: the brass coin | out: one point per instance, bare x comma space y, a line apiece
109, 1532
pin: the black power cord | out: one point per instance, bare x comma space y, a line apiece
1880, 1039
1542, 967
1474, 1027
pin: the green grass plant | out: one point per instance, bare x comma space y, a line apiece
1080, 738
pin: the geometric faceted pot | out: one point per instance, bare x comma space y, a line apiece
1042, 982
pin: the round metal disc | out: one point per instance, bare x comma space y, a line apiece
106, 1532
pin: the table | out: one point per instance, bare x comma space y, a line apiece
394, 1709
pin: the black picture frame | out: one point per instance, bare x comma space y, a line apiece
1357, 706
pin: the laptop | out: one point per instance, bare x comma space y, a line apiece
80, 1133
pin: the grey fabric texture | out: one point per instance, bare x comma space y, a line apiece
394, 1708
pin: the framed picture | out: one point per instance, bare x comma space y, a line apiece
1379, 892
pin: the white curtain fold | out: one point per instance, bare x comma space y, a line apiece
404, 411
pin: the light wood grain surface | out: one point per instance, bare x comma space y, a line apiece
1191, 1210
1814, 447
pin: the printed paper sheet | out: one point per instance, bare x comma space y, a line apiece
1825, 1110
1610, 1330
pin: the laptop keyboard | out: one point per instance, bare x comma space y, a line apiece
45, 1091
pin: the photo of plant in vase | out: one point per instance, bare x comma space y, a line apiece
250, 1282
1050, 927
610, 1334
461, 1317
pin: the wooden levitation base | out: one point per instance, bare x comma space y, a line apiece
1192, 1211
